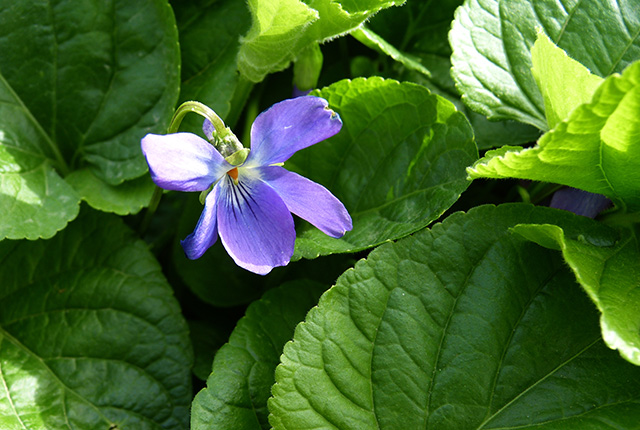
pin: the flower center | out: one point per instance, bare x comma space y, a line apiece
234, 174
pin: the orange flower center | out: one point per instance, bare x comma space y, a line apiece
233, 173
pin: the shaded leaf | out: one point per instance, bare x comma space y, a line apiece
420, 31
210, 33
608, 270
243, 369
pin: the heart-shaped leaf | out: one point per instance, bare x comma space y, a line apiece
463, 326
91, 336
397, 164
81, 82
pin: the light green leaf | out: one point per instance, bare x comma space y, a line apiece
283, 28
81, 82
608, 270
596, 149
34, 200
463, 326
492, 39
397, 164
564, 83
91, 336
243, 369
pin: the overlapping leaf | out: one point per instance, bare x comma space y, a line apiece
492, 39
80, 83
596, 149
90, 333
418, 33
397, 164
243, 370
283, 28
609, 273
464, 326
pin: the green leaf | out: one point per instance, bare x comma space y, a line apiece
564, 83
608, 270
419, 30
492, 39
243, 369
596, 149
81, 82
34, 200
124, 199
209, 43
282, 28
91, 336
463, 326
397, 164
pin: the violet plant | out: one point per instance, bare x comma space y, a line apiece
441, 233
248, 195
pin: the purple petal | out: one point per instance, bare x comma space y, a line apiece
579, 202
208, 129
309, 200
206, 231
290, 126
183, 161
255, 226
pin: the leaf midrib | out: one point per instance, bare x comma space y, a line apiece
58, 160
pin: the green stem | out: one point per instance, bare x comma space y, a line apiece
200, 109
151, 209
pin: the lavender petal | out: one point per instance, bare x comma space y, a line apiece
309, 200
206, 231
182, 161
255, 226
290, 126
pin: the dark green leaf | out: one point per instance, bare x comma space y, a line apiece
90, 333
463, 326
243, 370
608, 269
210, 33
83, 82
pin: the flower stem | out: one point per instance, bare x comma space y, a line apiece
151, 209
200, 109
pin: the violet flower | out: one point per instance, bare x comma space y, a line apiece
251, 200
